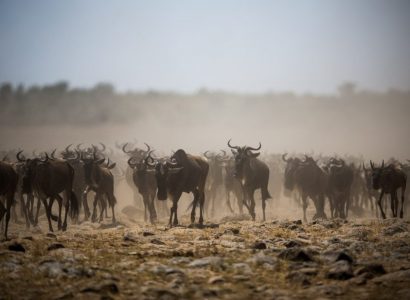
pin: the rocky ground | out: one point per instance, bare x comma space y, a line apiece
234, 259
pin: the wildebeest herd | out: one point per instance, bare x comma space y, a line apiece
346, 184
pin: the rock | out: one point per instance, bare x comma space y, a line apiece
295, 254
298, 278
216, 280
242, 268
130, 237
259, 245
394, 229
147, 233
340, 270
399, 276
51, 235
157, 242
334, 256
51, 268
261, 259
160, 293
55, 246
215, 261
17, 247
292, 243
297, 222
371, 270
103, 287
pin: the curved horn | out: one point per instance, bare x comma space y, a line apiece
371, 165
233, 147
383, 164
103, 147
67, 149
123, 149
53, 153
148, 147
78, 147
284, 157
45, 159
205, 154
77, 155
19, 157
149, 157
255, 149
130, 163
364, 168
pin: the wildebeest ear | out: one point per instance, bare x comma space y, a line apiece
112, 166
99, 162
174, 170
254, 154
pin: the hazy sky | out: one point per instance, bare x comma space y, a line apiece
185, 45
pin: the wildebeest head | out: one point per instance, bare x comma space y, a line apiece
163, 169
242, 155
376, 174
136, 152
291, 165
89, 161
26, 166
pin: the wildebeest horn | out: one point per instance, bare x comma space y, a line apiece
130, 163
78, 147
364, 168
371, 165
284, 157
148, 147
103, 147
255, 149
46, 159
383, 164
19, 157
149, 157
233, 147
123, 149
52, 153
67, 149
206, 154
34, 153
77, 154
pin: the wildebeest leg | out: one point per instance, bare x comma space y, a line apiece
403, 191
103, 207
60, 206
3, 211
201, 207
379, 203
304, 205
252, 204
348, 199
9, 203
94, 215
263, 208
145, 201
153, 212
194, 204
228, 201
66, 201
24, 211
394, 203
174, 209
48, 213
38, 210
111, 201
85, 203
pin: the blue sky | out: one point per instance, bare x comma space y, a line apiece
245, 46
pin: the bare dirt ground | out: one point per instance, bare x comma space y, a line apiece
234, 258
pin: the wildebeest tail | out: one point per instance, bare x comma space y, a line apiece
265, 194
74, 206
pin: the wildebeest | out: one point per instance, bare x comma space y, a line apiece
8, 186
232, 185
389, 179
339, 187
146, 184
214, 182
48, 178
183, 173
309, 179
100, 180
253, 174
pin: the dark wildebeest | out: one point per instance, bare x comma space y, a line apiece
146, 184
389, 179
340, 181
232, 185
100, 180
48, 178
137, 154
310, 181
253, 174
184, 173
8, 186
214, 182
